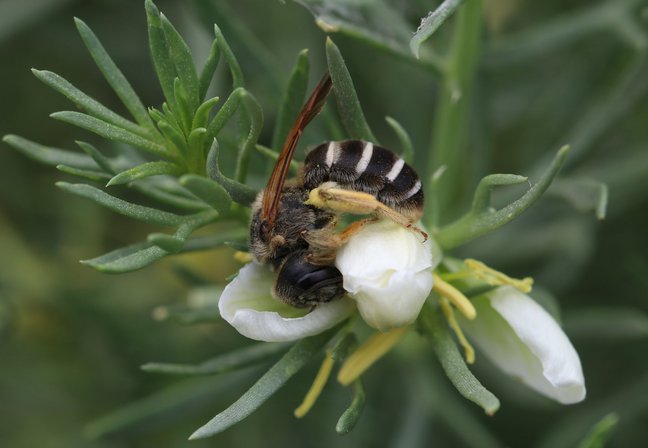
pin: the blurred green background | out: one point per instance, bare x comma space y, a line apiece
550, 73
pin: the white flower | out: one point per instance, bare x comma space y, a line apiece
387, 269
522, 339
247, 304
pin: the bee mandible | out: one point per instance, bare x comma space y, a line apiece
293, 225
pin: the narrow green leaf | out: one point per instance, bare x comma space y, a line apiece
207, 190
273, 155
201, 117
601, 432
239, 192
120, 206
228, 54
197, 142
145, 170
101, 160
233, 360
90, 105
127, 259
173, 135
96, 176
255, 117
481, 200
473, 224
207, 72
291, 363
292, 99
376, 24
350, 417
407, 150
169, 198
169, 243
164, 66
347, 99
236, 245
113, 75
431, 22
111, 132
239, 234
226, 112
48, 154
140, 255
180, 54
452, 362
183, 111
584, 194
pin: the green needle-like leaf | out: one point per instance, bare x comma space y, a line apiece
601, 432
482, 219
180, 54
113, 75
90, 105
111, 132
207, 190
431, 22
49, 155
347, 99
164, 65
201, 117
120, 206
225, 113
207, 72
140, 255
234, 360
239, 192
273, 155
585, 194
145, 170
255, 117
350, 417
169, 243
291, 363
452, 362
101, 160
228, 54
96, 176
404, 139
292, 99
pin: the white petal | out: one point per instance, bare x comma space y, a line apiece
247, 304
387, 269
521, 338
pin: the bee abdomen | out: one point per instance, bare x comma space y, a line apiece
363, 166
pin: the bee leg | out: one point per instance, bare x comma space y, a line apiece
352, 229
359, 203
385, 212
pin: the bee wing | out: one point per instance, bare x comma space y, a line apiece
272, 194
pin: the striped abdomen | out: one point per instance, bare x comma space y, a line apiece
363, 166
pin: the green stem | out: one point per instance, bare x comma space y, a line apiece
449, 129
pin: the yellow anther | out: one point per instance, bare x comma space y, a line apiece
316, 388
243, 257
368, 353
452, 321
455, 297
496, 278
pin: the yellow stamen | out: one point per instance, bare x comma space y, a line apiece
316, 388
452, 321
496, 278
455, 296
242, 257
368, 353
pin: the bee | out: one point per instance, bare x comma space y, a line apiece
293, 225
